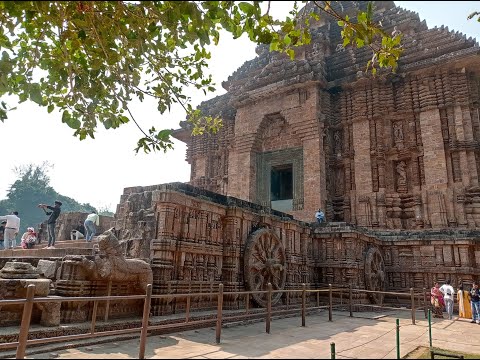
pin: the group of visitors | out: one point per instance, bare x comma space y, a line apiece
88, 229
443, 297
10, 226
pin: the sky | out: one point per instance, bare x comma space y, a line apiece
97, 170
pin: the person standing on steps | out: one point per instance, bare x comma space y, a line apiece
12, 228
90, 222
52, 220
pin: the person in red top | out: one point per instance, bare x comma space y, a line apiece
29, 238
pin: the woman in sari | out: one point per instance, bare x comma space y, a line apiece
437, 301
464, 307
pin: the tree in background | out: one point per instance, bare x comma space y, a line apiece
31, 188
89, 59
105, 211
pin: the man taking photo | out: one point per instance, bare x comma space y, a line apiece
54, 214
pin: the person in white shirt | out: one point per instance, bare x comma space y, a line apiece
12, 227
448, 294
90, 222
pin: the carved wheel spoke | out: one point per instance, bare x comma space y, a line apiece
375, 274
264, 262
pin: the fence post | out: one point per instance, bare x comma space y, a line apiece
430, 327
107, 306
247, 303
332, 350
398, 338
330, 302
350, 300
94, 317
187, 309
25, 325
425, 307
269, 308
146, 315
412, 298
304, 293
318, 298
218, 330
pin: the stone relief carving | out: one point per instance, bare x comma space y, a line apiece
265, 262
401, 176
337, 143
113, 266
398, 136
375, 273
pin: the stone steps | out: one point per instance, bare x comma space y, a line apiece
40, 252
74, 244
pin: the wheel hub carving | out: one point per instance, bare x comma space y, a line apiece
375, 274
264, 262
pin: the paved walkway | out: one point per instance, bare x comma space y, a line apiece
354, 338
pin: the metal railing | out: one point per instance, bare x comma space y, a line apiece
28, 302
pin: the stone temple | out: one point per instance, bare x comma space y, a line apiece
399, 151
393, 160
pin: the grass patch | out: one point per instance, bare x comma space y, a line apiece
424, 353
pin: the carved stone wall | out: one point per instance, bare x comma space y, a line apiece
199, 242
203, 239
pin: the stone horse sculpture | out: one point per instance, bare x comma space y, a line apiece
111, 264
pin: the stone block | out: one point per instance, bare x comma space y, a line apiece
47, 268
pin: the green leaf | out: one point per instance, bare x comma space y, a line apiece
50, 108
82, 34
246, 7
291, 53
36, 94
74, 123
107, 123
65, 116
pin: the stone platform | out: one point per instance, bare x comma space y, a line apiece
62, 249
366, 337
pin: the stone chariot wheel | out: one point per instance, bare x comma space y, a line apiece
264, 262
375, 274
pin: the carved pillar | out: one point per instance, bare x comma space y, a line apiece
435, 166
362, 163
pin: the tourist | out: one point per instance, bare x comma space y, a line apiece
464, 307
29, 239
448, 291
320, 216
475, 303
54, 214
78, 232
90, 222
2, 230
11, 229
40, 232
437, 301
